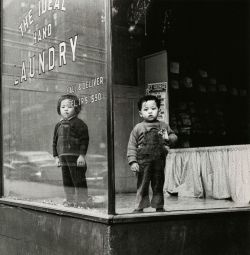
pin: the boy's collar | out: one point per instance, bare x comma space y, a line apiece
154, 121
73, 116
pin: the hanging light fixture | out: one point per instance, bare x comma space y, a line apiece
114, 11
168, 20
137, 13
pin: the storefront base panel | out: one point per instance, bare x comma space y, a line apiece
200, 234
31, 232
25, 231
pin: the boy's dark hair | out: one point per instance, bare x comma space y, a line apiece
148, 98
75, 102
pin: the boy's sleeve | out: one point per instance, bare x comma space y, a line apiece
132, 147
55, 137
171, 136
83, 138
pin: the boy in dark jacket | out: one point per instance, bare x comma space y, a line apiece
70, 144
147, 150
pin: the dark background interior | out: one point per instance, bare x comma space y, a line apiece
208, 35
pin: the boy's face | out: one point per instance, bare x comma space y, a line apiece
149, 111
67, 108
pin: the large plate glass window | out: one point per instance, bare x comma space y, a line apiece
53, 48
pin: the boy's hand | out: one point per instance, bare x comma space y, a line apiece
81, 161
134, 167
167, 148
58, 163
165, 135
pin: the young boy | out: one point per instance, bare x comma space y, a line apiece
147, 150
70, 144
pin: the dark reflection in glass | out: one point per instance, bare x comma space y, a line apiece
70, 144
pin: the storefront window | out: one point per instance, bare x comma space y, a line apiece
53, 48
56, 98
177, 52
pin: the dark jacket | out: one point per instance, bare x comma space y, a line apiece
71, 137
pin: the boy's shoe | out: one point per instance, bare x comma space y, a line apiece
81, 205
90, 202
160, 210
138, 211
68, 203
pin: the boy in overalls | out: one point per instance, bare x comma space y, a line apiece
147, 150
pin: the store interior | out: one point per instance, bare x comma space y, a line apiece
208, 58
207, 46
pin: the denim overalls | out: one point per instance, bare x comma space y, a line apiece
151, 157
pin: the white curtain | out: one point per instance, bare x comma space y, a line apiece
215, 172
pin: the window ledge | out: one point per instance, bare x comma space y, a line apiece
90, 215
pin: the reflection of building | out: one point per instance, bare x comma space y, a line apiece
90, 55
204, 108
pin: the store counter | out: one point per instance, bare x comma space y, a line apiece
216, 172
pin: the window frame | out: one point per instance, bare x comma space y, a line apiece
110, 209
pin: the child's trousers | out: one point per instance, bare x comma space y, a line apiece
74, 179
150, 172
